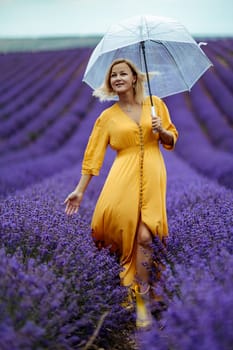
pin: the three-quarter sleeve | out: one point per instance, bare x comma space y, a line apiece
167, 124
96, 148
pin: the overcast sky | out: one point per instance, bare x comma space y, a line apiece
36, 18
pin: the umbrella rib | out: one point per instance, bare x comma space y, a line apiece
160, 42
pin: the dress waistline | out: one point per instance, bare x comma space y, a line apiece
137, 148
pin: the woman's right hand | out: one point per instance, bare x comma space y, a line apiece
73, 201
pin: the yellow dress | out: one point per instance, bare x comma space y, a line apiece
135, 188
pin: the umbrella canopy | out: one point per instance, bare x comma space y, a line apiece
161, 47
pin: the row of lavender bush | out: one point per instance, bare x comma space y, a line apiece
194, 143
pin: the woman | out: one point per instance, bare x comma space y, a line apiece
131, 208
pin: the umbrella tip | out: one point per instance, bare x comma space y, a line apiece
202, 43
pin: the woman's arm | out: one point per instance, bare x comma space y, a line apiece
73, 200
166, 137
83, 183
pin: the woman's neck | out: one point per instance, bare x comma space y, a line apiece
127, 101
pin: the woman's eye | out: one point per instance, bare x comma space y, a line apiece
114, 75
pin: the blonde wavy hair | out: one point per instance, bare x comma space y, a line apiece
105, 91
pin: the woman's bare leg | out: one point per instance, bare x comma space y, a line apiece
144, 256
143, 268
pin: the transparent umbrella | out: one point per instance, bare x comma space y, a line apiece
161, 47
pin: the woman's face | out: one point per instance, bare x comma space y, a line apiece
122, 78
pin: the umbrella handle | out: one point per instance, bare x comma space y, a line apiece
153, 113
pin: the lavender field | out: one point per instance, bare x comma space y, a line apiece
57, 290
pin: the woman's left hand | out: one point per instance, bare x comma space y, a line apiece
157, 124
